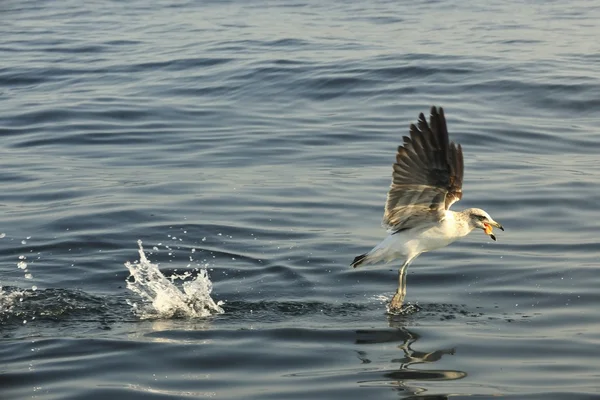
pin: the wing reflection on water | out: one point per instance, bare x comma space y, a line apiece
403, 373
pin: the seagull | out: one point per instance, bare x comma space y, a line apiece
426, 180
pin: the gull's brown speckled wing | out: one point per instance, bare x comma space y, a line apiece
427, 177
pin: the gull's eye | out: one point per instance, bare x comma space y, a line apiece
481, 217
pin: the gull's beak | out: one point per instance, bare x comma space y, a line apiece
497, 225
488, 229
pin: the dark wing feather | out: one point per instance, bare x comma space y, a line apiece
427, 176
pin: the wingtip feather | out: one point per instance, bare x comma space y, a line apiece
358, 260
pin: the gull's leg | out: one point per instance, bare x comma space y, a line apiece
398, 299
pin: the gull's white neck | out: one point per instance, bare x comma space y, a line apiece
457, 224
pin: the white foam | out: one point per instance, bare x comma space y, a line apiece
8, 300
161, 298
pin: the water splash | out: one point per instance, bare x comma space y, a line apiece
161, 298
8, 301
12, 298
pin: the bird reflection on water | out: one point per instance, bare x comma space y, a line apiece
399, 377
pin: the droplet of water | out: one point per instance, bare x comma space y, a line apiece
34, 288
2, 235
23, 242
28, 276
22, 257
22, 264
204, 239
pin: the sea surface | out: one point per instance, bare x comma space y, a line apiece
185, 183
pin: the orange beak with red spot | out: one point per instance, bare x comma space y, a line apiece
489, 227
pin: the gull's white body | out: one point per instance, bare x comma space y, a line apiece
408, 244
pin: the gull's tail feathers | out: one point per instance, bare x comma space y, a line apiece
358, 260
383, 252
373, 257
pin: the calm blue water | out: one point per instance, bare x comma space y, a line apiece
253, 141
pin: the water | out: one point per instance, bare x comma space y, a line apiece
248, 145
161, 298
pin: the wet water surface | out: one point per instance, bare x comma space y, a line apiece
248, 146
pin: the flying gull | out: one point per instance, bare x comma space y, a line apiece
427, 179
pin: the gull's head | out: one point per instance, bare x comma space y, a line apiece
482, 220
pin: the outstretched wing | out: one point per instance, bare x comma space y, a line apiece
427, 177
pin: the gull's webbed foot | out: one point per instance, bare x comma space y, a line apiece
395, 306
